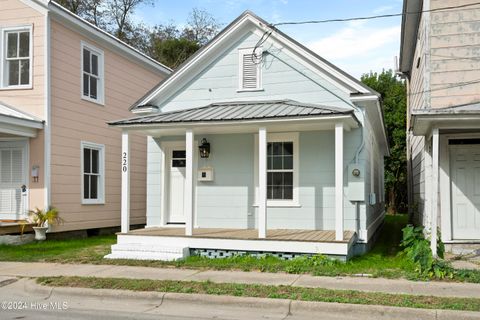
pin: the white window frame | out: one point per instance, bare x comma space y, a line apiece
281, 137
3, 56
101, 74
241, 53
101, 170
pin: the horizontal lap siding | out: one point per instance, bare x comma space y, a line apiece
455, 54
14, 13
75, 120
227, 202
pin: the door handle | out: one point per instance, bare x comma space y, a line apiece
24, 188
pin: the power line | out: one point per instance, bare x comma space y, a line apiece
258, 59
373, 17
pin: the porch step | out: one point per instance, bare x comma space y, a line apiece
138, 251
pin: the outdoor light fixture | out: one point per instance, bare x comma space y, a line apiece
204, 148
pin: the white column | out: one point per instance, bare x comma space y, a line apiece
434, 205
125, 204
339, 181
188, 204
262, 182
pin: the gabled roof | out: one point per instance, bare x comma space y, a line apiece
239, 111
100, 35
218, 42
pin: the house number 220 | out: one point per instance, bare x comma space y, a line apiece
124, 162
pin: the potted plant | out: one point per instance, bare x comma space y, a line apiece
42, 219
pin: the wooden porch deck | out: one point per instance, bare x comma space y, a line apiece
14, 227
248, 234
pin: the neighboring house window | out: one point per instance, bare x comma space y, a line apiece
93, 176
282, 168
17, 57
92, 74
250, 69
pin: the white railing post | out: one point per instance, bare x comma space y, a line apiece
339, 181
262, 183
125, 202
189, 148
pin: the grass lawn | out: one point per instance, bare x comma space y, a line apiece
268, 291
384, 260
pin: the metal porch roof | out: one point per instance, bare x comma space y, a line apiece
237, 111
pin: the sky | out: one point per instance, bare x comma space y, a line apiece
357, 47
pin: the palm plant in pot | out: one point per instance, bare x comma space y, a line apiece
43, 219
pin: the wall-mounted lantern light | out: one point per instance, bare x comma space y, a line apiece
204, 148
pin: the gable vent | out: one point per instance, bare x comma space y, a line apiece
249, 72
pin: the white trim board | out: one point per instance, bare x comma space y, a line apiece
331, 248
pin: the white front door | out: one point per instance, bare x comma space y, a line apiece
465, 186
12, 178
176, 188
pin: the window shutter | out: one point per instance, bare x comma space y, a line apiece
250, 72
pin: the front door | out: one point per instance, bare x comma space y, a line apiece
12, 178
465, 186
176, 178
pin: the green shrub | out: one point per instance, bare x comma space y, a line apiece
417, 248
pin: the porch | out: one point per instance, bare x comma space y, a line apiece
170, 243
250, 193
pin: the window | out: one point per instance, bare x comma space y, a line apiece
250, 69
179, 158
92, 74
282, 169
92, 173
17, 57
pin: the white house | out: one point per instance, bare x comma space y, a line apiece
256, 144
439, 58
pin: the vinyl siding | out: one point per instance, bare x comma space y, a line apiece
74, 120
228, 201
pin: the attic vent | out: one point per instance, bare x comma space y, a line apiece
249, 70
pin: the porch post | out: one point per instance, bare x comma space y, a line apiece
434, 205
125, 202
262, 183
339, 181
188, 200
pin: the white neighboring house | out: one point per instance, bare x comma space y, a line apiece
256, 147
439, 56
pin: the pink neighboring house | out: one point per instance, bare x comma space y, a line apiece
61, 80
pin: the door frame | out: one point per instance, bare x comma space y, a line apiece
166, 147
25, 143
446, 209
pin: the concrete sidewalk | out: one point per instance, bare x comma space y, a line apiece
441, 289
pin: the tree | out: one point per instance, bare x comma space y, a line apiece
121, 11
173, 52
75, 6
393, 93
201, 26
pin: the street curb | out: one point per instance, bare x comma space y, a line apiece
289, 306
